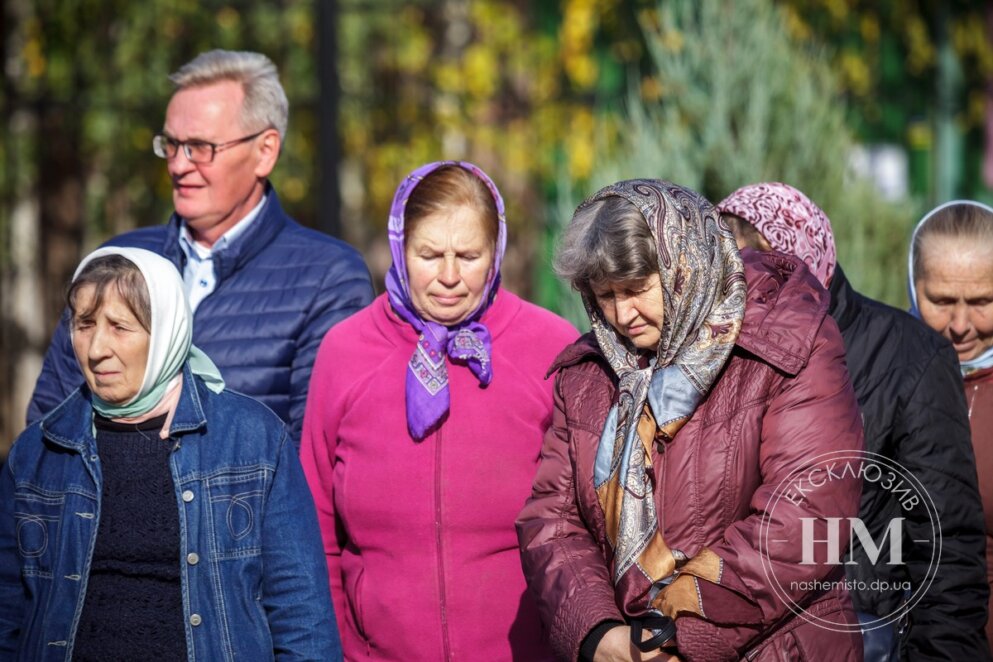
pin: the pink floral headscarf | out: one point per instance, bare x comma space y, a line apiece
789, 221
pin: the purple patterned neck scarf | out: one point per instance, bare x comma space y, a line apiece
467, 342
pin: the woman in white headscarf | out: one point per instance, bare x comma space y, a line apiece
153, 514
951, 290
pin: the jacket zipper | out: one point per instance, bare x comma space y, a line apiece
446, 645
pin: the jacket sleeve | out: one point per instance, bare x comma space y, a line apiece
294, 591
347, 288
317, 450
12, 598
933, 442
810, 414
563, 565
60, 374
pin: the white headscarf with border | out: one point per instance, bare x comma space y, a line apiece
984, 360
170, 344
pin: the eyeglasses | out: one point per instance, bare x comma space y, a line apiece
197, 151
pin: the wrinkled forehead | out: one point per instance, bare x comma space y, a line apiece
955, 253
91, 299
461, 226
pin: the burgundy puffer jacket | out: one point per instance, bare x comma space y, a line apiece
783, 398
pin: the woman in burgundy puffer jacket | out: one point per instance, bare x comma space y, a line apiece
711, 384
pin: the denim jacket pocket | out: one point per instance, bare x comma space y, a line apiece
237, 500
37, 521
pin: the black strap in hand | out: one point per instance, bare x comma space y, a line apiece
661, 626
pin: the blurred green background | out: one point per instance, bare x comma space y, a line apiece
877, 110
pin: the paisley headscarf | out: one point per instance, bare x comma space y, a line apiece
170, 344
467, 342
789, 221
703, 285
984, 360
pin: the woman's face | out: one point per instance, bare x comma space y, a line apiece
955, 294
449, 258
110, 344
634, 309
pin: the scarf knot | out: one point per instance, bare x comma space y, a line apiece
428, 397
469, 345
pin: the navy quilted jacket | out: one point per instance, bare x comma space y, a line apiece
280, 287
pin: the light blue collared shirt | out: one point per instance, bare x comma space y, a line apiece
198, 274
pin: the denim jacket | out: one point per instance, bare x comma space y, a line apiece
254, 578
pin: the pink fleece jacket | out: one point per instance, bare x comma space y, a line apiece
419, 536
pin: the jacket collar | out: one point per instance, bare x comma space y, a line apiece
70, 425
244, 248
585, 347
189, 414
783, 311
844, 299
979, 376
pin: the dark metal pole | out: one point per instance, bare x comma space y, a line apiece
329, 152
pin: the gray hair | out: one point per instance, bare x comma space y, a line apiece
954, 221
608, 241
265, 102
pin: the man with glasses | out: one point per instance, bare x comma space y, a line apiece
264, 289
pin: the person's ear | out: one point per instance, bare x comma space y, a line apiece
268, 152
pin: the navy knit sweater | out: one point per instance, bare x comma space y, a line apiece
133, 608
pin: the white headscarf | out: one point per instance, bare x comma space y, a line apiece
984, 360
170, 344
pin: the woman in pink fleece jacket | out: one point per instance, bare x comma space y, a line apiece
422, 433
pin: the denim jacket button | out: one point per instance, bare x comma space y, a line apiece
195, 619
193, 558
187, 495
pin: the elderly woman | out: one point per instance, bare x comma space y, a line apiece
707, 382
422, 434
154, 515
906, 380
951, 290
